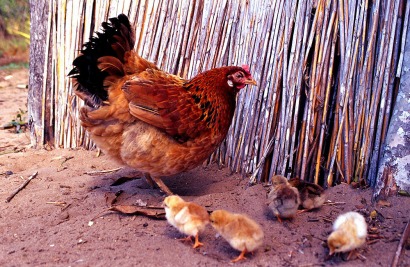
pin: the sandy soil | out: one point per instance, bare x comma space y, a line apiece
48, 222
13, 100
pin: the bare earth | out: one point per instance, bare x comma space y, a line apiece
48, 222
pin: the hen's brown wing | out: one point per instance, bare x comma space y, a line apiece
160, 99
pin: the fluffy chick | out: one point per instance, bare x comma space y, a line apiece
312, 196
349, 233
283, 199
241, 232
189, 218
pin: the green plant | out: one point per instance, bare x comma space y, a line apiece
14, 31
15, 65
15, 45
19, 123
8, 11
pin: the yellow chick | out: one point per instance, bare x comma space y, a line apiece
349, 233
241, 232
312, 196
189, 218
283, 199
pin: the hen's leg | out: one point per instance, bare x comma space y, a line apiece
162, 186
157, 181
149, 180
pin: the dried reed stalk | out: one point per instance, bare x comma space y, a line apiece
326, 75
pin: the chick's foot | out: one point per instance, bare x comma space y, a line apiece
240, 257
197, 244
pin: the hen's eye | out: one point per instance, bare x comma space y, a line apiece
239, 76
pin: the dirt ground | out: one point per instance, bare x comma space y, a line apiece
61, 217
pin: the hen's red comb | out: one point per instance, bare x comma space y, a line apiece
246, 68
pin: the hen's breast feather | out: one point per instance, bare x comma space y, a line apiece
148, 149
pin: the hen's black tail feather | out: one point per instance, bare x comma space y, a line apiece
116, 38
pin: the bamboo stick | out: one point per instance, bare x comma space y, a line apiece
324, 72
325, 107
384, 94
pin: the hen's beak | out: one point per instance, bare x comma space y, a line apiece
251, 82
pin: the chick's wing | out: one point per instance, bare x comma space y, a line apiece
183, 216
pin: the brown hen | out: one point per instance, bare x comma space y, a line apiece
143, 117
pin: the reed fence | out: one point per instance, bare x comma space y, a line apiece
327, 71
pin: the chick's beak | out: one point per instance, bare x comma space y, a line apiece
250, 82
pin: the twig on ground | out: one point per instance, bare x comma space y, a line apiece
371, 242
21, 187
66, 159
102, 172
66, 207
1, 147
11, 151
59, 203
325, 219
404, 237
62, 167
333, 203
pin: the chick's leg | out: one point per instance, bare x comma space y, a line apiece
241, 256
156, 180
186, 239
197, 243
302, 211
355, 254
